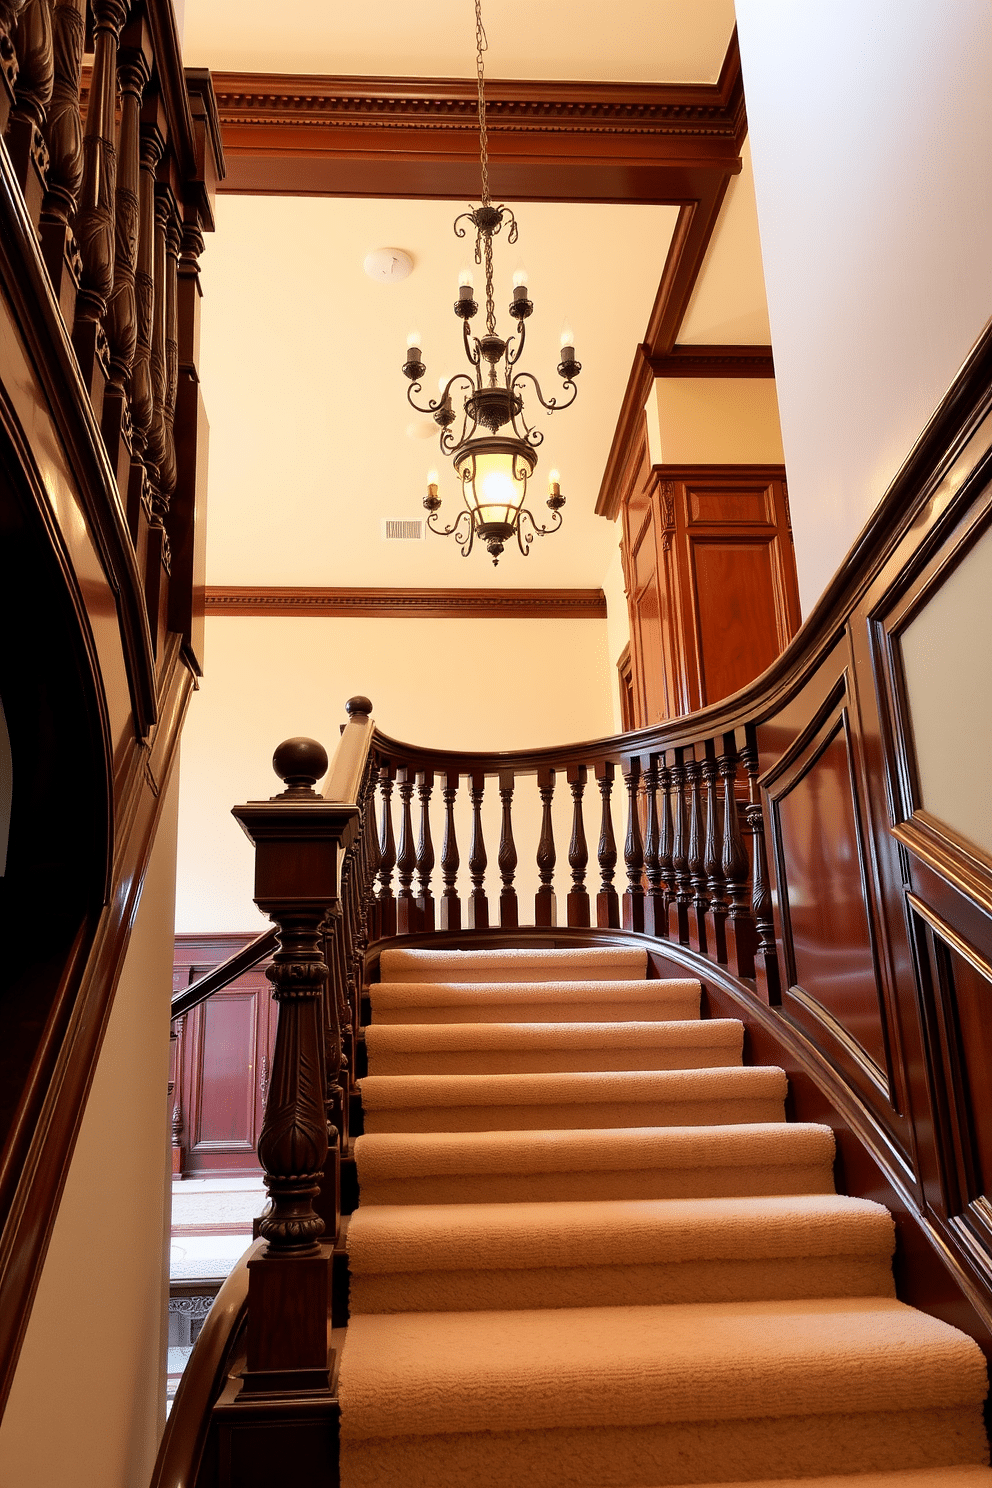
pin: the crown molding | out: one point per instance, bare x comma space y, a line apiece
714, 361
430, 604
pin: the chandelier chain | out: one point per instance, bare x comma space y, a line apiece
481, 46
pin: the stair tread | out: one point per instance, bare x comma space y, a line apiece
716, 1033
391, 1238
428, 1373
443, 993
543, 964
384, 1092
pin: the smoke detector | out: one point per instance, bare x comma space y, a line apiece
388, 265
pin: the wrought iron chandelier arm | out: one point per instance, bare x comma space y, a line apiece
464, 537
551, 404
526, 515
471, 345
438, 402
515, 351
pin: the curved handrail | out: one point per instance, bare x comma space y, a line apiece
185, 1436
223, 975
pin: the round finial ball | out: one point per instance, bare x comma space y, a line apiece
360, 705
300, 761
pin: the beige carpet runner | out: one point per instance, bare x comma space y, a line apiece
591, 1253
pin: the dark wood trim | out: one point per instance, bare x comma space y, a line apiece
625, 451
489, 604
715, 361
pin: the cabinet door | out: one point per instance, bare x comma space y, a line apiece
229, 1055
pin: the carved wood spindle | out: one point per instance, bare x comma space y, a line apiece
406, 856
451, 904
545, 910
425, 851
327, 1202
506, 858
478, 904
577, 902
699, 907
345, 984
666, 839
32, 95
167, 471
387, 856
64, 139
176, 1038
633, 852
10, 11
371, 854
607, 900
121, 321
155, 444
94, 224
144, 474
713, 856
678, 912
736, 869
655, 914
766, 953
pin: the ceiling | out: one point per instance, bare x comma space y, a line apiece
312, 441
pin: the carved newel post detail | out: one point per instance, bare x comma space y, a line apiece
298, 838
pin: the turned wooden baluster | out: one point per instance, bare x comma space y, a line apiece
451, 905
478, 904
506, 859
655, 914
167, 470
176, 1033
545, 909
425, 851
633, 853
142, 391
766, 953
10, 11
665, 842
371, 906
387, 856
406, 856
607, 900
64, 139
713, 857
678, 910
699, 907
736, 869
32, 95
327, 1203
156, 454
345, 987
94, 225
577, 902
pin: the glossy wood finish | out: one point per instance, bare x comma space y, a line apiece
531, 604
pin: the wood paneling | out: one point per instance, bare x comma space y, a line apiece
712, 592
536, 604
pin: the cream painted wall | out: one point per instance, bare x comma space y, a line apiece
617, 625
871, 133
104, 1289
464, 684
714, 421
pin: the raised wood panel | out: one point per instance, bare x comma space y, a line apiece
730, 508
736, 631
225, 1118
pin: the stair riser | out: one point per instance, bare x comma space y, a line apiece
540, 1062
651, 1183
591, 1117
771, 1279
542, 1012
676, 1453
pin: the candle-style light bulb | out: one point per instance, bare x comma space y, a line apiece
432, 500
413, 339
554, 478
466, 277
432, 478
519, 278
567, 339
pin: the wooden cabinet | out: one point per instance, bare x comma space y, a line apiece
222, 1064
711, 582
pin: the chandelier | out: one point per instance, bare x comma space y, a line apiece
493, 447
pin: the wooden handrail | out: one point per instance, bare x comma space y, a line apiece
181, 1448
223, 975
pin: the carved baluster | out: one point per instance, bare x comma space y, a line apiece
678, 912
64, 140
425, 851
577, 902
655, 915
142, 392
346, 989
155, 445
509, 913
176, 1033
699, 907
666, 839
713, 856
607, 901
167, 470
633, 853
328, 1202
10, 11
451, 905
387, 856
121, 324
406, 857
766, 954
95, 214
32, 95
545, 909
372, 855
478, 904
740, 926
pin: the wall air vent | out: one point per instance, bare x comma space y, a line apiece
394, 530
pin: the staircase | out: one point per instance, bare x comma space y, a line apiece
591, 1250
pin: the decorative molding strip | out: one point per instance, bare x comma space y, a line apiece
432, 604
714, 361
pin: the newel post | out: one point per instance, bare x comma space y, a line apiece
298, 839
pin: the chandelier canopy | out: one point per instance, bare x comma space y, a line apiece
491, 444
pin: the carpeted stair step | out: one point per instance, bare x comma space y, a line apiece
534, 1002
546, 1048
573, 1102
661, 1395
585, 963
499, 1167
480, 1257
